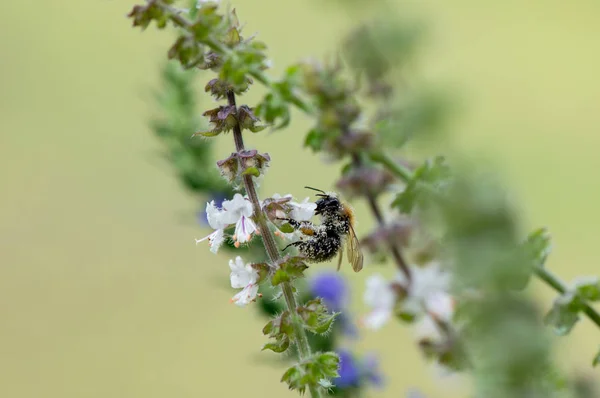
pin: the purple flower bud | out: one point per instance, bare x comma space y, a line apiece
349, 371
332, 288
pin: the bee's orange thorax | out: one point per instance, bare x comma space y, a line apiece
348, 212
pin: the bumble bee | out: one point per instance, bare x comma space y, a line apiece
322, 242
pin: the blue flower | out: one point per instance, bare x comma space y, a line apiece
349, 371
332, 288
357, 374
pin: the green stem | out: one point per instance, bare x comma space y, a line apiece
554, 282
273, 252
398, 170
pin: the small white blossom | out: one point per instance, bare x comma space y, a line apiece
381, 297
303, 211
427, 290
244, 277
239, 212
236, 211
440, 305
218, 221
426, 329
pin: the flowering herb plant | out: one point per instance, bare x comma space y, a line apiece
461, 267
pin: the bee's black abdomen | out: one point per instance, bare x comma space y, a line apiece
320, 249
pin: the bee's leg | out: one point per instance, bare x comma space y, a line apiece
295, 224
292, 244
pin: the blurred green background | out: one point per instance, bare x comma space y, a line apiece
103, 292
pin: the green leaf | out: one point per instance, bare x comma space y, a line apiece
430, 176
257, 128
207, 133
564, 313
315, 316
289, 269
588, 288
281, 330
253, 171
596, 360
314, 140
313, 372
279, 346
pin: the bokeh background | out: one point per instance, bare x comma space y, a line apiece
103, 292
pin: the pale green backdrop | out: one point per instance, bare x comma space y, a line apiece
102, 290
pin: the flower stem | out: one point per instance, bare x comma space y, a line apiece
397, 169
272, 250
555, 283
400, 262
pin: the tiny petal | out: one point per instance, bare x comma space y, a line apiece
440, 305
381, 297
244, 229
242, 274
246, 296
303, 211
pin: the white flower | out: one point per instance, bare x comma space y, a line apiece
381, 297
441, 306
217, 219
238, 211
427, 290
244, 277
427, 329
303, 211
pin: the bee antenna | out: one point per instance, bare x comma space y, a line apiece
315, 189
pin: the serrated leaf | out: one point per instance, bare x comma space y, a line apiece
252, 171
280, 331
431, 175
315, 316
232, 38
564, 313
312, 371
206, 133
278, 346
257, 128
289, 269
588, 288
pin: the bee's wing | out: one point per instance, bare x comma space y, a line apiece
340, 257
354, 253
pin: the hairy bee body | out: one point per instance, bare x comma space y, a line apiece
320, 243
